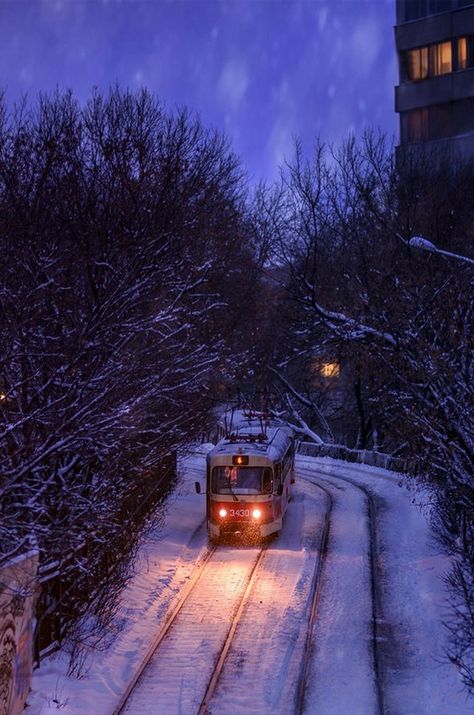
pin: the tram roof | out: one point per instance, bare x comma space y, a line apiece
272, 444
239, 419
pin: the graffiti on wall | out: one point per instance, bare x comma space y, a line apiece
17, 600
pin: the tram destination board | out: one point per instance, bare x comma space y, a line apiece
240, 460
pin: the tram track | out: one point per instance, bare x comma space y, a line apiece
198, 575
226, 645
330, 468
315, 598
219, 656
213, 659
310, 474
169, 620
295, 649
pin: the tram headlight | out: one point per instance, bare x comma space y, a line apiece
256, 513
222, 513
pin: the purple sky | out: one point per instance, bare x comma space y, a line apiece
261, 70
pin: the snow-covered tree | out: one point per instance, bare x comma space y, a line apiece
396, 318
127, 258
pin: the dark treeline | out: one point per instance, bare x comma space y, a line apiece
141, 282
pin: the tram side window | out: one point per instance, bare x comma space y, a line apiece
277, 479
267, 481
287, 461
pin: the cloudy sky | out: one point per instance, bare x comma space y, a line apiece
263, 71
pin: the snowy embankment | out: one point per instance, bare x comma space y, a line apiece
263, 665
163, 565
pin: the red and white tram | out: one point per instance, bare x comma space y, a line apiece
249, 478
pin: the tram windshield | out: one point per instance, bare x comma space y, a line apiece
241, 480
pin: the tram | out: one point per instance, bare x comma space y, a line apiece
249, 476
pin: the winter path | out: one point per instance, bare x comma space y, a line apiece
341, 614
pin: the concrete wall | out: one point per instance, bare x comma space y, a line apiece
18, 595
435, 90
458, 149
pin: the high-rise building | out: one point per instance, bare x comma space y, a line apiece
435, 95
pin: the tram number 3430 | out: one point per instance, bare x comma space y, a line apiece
239, 512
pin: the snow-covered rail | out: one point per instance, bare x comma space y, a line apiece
368, 574
375, 584
180, 671
225, 648
195, 576
316, 591
190, 667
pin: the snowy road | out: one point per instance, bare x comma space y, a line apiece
342, 613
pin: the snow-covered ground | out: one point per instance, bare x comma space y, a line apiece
417, 678
263, 665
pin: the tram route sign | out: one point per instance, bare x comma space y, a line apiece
240, 460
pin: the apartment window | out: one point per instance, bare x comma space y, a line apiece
415, 126
417, 63
441, 58
330, 369
465, 52
439, 121
415, 9
432, 60
463, 116
436, 6
419, 124
462, 53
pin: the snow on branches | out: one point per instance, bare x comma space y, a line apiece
122, 234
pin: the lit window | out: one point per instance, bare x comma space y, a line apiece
423, 62
442, 58
417, 63
330, 369
462, 53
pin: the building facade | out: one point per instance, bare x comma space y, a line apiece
435, 95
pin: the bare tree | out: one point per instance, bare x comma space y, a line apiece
127, 259
398, 322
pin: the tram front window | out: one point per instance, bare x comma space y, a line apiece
241, 480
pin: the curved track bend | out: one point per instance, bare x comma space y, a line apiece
331, 479
193, 664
